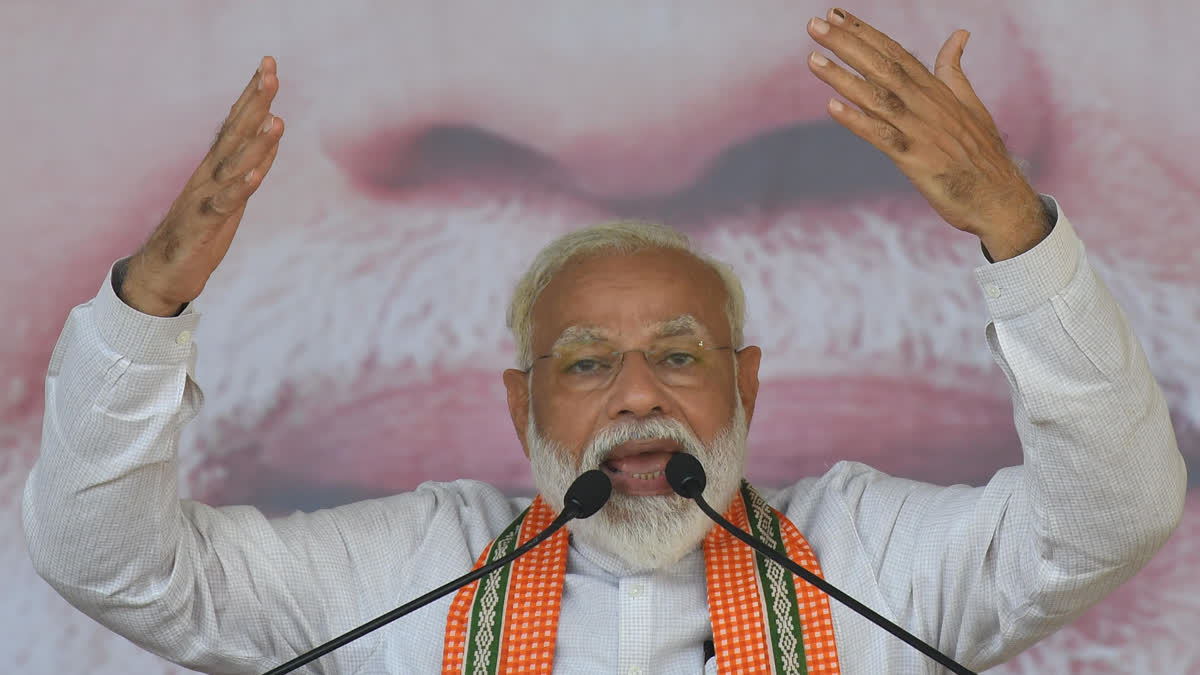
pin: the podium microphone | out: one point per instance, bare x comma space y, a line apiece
687, 478
586, 495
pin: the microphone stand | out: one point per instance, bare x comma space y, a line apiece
690, 483
579, 503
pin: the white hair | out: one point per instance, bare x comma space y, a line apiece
615, 238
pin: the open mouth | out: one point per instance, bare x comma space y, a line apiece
639, 467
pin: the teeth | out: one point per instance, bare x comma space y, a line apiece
647, 476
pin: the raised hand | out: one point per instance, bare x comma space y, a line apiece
934, 127
173, 266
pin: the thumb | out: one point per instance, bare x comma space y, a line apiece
948, 66
948, 69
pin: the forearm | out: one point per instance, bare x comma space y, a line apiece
103, 521
101, 510
1103, 481
991, 570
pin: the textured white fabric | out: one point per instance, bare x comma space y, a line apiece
980, 572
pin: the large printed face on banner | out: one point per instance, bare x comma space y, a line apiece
353, 339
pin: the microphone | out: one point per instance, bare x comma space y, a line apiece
686, 477
585, 497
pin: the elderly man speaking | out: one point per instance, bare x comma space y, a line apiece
630, 350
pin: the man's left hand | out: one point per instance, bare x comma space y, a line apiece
934, 127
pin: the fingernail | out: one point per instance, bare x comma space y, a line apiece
260, 79
267, 124
838, 16
836, 105
818, 60
250, 176
819, 26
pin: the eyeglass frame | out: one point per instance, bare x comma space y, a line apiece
699, 342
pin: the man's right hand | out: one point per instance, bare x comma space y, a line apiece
173, 266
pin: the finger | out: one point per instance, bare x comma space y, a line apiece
250, 154
232, 195
247, 116
871, 98
948, 69
877, 57
264, 64
224, 202
256, 175
890, 140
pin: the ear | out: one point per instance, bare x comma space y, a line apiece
748, 359
517, 384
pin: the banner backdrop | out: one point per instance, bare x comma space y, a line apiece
353, 339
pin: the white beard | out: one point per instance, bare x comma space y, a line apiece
646, 532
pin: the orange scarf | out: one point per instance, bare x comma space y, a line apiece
507, 621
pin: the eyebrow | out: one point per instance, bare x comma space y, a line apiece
578, 335
682, 325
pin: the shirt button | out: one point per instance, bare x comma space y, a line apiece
183, 338
635, 591
635, 670
992, 290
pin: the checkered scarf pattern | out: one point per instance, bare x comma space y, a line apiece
749, 614
530, 594
747, 604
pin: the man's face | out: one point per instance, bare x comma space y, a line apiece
632, 302
679, 387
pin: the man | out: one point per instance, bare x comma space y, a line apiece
630, 350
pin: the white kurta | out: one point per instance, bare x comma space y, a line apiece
980, 572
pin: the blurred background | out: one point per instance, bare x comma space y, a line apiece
353, 339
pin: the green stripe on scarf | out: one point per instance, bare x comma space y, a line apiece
777, 586
487, 608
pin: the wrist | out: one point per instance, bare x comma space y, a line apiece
136, 295
1024, 229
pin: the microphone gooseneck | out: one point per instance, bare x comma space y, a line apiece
686, 476
585, 497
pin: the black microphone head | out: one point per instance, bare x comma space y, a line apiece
588, 493
685, 475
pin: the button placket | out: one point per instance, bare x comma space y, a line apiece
635, 626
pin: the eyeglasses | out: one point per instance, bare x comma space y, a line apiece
684, 362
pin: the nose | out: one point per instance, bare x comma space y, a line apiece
636, 391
